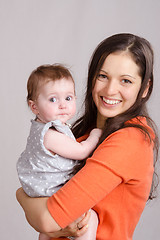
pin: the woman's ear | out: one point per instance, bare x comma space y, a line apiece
33, 107
146, 90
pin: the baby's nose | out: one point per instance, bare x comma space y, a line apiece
62, 104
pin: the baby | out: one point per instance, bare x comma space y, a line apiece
52, 152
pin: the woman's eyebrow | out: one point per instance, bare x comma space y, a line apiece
124, 75
103, 71
127, 75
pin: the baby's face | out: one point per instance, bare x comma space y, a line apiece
57, 100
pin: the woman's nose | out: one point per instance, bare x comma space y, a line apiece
111, 87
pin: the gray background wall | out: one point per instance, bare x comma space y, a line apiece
34, 32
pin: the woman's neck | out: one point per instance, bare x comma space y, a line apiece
100, 121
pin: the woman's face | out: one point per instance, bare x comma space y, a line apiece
116, 87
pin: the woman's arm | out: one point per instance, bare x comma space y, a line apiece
67, 147
39, 218
89, 186
37, 213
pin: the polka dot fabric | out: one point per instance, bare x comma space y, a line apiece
40, 172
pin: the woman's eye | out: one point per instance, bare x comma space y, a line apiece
53, 99
102, 76
126, 81
68, 98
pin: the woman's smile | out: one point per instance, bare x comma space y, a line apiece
110, 102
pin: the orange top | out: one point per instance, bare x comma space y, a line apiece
115, 182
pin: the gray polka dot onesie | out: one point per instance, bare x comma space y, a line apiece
40, 172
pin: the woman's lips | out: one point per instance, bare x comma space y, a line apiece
111, 101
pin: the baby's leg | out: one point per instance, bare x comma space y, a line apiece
92, 228
43, 236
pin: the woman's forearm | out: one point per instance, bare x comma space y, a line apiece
39, 218
37, 213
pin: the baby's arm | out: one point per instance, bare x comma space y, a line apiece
60, 144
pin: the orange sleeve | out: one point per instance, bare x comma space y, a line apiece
121, 157
81, 193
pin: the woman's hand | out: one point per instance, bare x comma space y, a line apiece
75, 229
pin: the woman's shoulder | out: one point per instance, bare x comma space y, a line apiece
135, 127
124, 148
141, 126
142, 121
132, 135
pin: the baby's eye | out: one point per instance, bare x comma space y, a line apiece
53, 99
126, 81
68, 98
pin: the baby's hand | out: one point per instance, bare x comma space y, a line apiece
96, 132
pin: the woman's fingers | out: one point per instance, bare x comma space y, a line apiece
84, 221
82, 230
78, 227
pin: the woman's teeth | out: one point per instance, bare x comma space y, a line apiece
111, 102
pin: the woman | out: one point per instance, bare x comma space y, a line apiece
116, 180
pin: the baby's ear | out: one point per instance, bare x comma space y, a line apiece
33, 107
147, 88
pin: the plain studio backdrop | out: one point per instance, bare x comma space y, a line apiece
35, 32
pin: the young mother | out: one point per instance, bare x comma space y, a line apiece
116, 180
